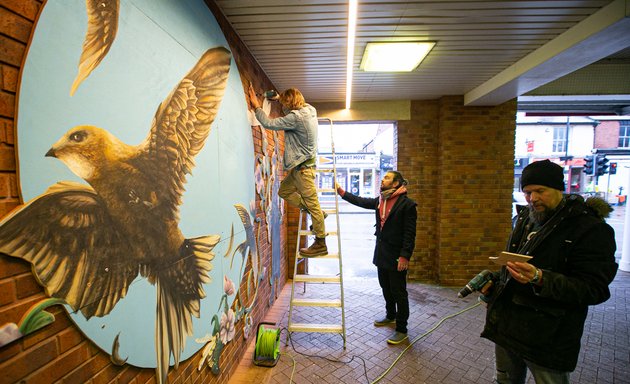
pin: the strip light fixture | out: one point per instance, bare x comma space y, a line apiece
352, 28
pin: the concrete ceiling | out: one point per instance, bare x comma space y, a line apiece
557, 56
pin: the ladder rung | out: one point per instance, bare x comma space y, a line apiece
308, 232
303, 327
317, 279
329, 209
317, 302
328, 256
324, 170
325, 190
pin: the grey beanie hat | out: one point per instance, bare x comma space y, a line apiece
543, 173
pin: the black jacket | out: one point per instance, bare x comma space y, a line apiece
576, 251
398, 236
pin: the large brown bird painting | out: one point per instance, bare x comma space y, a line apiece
87, 243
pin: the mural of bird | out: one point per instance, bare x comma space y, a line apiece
87, 243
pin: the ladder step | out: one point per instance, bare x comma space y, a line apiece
307, 232
325, 190
303, 327
328, 256
317, 302
329, 209
324, 170
317, 279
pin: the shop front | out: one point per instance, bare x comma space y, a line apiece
356, 172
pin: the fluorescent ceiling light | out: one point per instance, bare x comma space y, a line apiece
352, 28
394, 57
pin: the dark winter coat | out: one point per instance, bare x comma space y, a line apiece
576, 251
398, 235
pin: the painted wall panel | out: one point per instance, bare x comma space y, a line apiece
156, 44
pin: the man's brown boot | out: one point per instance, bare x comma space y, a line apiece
318, 248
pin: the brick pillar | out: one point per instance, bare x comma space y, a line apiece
459, 162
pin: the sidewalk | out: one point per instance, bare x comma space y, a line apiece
451, 354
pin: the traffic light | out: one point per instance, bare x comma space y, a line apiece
602, 165
613, 169
589, 164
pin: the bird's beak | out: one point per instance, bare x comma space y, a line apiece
51, 153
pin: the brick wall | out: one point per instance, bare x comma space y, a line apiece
416, 156
460, 163
607, 135
59, 351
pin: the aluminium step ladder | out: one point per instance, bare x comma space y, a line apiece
330, 208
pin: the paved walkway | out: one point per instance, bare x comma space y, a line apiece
451, 353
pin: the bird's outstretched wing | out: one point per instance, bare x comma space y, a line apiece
76, 252
101, 31
182, 124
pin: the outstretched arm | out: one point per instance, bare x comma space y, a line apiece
363, 202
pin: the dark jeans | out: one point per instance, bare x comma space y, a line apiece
394, 285
512, 369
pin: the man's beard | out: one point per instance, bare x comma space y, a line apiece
386, 187
540, 217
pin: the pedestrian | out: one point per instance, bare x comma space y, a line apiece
299, 124
537, 310
395, 240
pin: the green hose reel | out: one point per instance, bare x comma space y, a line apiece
267, 351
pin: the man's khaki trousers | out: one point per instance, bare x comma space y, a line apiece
298, 189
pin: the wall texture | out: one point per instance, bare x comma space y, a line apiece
607, 135
59, 351
460, 164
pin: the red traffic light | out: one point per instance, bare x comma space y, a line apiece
612, 168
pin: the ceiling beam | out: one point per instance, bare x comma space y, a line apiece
593, 105
594, 38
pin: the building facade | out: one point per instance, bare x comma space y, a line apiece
573, 142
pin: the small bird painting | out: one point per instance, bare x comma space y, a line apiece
87, 243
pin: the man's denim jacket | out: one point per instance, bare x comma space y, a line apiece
300, 136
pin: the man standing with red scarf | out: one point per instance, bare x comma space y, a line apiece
395, 240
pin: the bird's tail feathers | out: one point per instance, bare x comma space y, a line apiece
179, 290
173, 325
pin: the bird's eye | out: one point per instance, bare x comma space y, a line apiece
78, 136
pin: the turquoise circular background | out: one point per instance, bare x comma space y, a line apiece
157, 43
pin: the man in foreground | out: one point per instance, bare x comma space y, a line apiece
537, 311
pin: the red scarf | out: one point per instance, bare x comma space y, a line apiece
387, 201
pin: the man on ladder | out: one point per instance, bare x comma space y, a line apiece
300, 150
